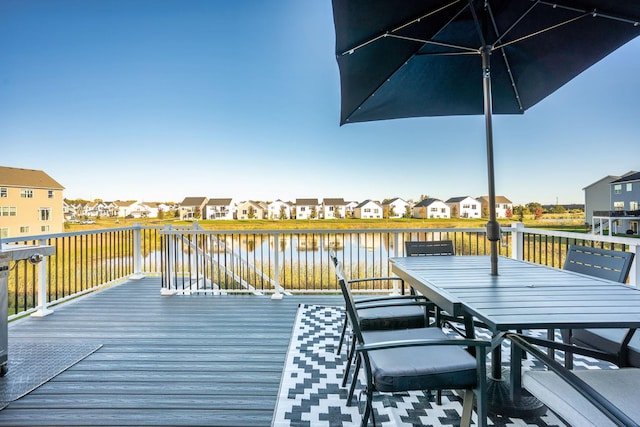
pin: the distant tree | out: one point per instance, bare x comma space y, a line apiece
252, 213
160, 213
538, 212
559, 209
283, 212
423, 197
454, 212
336, 212
314, 213
176, 213
407, 211
197, 214
485, 212
509, 212
385, 212
392, 211
423, 212
520, 212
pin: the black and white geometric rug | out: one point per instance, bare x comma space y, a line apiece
310, 392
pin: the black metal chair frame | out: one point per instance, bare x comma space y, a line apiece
364, 348
605, 264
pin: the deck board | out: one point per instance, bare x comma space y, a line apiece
199, 360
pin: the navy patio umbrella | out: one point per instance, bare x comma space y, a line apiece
415, 58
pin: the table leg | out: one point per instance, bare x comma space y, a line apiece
505, 395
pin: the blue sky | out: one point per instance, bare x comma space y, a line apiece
163, 99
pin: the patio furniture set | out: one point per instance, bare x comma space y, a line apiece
400, 344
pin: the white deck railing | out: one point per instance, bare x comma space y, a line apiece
273, 262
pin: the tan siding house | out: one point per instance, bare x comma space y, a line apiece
30, 203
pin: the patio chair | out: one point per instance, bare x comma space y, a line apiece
383, 313
616, 345
416, 359
431, 248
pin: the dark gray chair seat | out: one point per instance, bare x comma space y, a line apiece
434, 367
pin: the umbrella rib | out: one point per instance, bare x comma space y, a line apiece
594, 13
544, 30
436, 43
514, 86
400, 27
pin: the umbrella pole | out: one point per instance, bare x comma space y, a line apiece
493, 228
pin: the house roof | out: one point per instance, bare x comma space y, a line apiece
388, 202
628, 178
193, 201
457, 199
334, 202
427, 202
16, 177
219, 202
499, 199
366, 202
304, 202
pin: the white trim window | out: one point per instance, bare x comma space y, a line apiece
45, 214
4, 192
26, 193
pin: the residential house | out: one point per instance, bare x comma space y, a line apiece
219, 209
251, 210
368, 209
431, 208
350, 209
625, 198
597, 197
503, 206
333, 208
279, 210
30, 203
464, 207
396, 208
307, 209
192, 208
127, 208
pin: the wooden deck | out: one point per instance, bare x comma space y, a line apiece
199, 360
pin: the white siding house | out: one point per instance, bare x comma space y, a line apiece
219, 209
279, 210
307, 209
333, 208
464, 207
431, 208
368, 209
396, 208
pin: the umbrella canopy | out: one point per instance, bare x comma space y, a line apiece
418, 58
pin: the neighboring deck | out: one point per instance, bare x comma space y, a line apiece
199, 360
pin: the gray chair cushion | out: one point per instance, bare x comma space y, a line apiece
420, 368
391, 317
608, 340
619, 386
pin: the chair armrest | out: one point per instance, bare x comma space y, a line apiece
425, 303
466, 342
375, 279
391, 298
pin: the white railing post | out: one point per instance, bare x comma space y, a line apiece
396, 291
137, 253
169, 239
634, 274
517, 241
42, 309
276, 272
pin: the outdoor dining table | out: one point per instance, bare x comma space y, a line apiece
523, 296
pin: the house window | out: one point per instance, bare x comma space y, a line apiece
433, 209
633, 206
8, 211
4, 232
367, 210
466, 206
617, 189
302, 208
26, 193
618, 206
44, 228
629, 186
50, 194
4, 192
24, 229
45, 214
